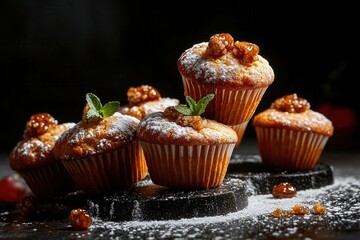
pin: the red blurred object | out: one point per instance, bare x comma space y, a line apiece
345, 122
12, 189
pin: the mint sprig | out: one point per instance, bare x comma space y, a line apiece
97, 110
194, 108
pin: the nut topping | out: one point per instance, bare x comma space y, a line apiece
39, 124
246, 52
220, 44
291, 103
196, 122
143, 93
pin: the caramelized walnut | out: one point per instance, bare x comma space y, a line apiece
80, 219
295, 210
319, 209
196, 122
219, 44
299, 210
280, 213
171, 112
137, 112
143, 93
39, 124
284, 190
291, 103
246, 52
190, 121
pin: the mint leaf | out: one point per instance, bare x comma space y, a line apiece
194, 108
93, 101
202, 103
97, 110
109, 108
183, 110
190, 102
91, 113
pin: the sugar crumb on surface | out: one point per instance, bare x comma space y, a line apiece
255, 221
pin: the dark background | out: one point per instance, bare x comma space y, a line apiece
54, 52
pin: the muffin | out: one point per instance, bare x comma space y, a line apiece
101, 152
290, 135
184, 150
232, 70
240, 131
145, 99
33, 157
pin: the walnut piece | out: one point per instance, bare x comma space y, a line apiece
319, 209
246, 52
143, 93
196, 122
39, 124
220, 44
299, 210
223, 43
291, 103
284, 190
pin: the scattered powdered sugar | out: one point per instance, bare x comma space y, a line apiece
341, 200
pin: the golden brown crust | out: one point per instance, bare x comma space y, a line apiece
293, 113
225, 64
159, 129
88, 138
36, 151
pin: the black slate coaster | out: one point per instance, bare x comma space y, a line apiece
147, 201
261, 179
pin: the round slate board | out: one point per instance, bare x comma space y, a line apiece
261, 179
147, 201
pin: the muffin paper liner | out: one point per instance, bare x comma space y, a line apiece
240, 130
119, 169
289, 149
231, 107
48, 181
187, 167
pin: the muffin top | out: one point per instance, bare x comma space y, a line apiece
95, 136
172, 127
36, 147
293, 113
144, 100
226, 63
101, 129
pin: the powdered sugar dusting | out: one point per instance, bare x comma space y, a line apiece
305, 121
26, 149
165, 131
159, 105
225, 68
255, 220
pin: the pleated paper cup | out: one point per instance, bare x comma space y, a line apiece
240, 130
47, 181
119, 169
289, 149
187, 167
230, 106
